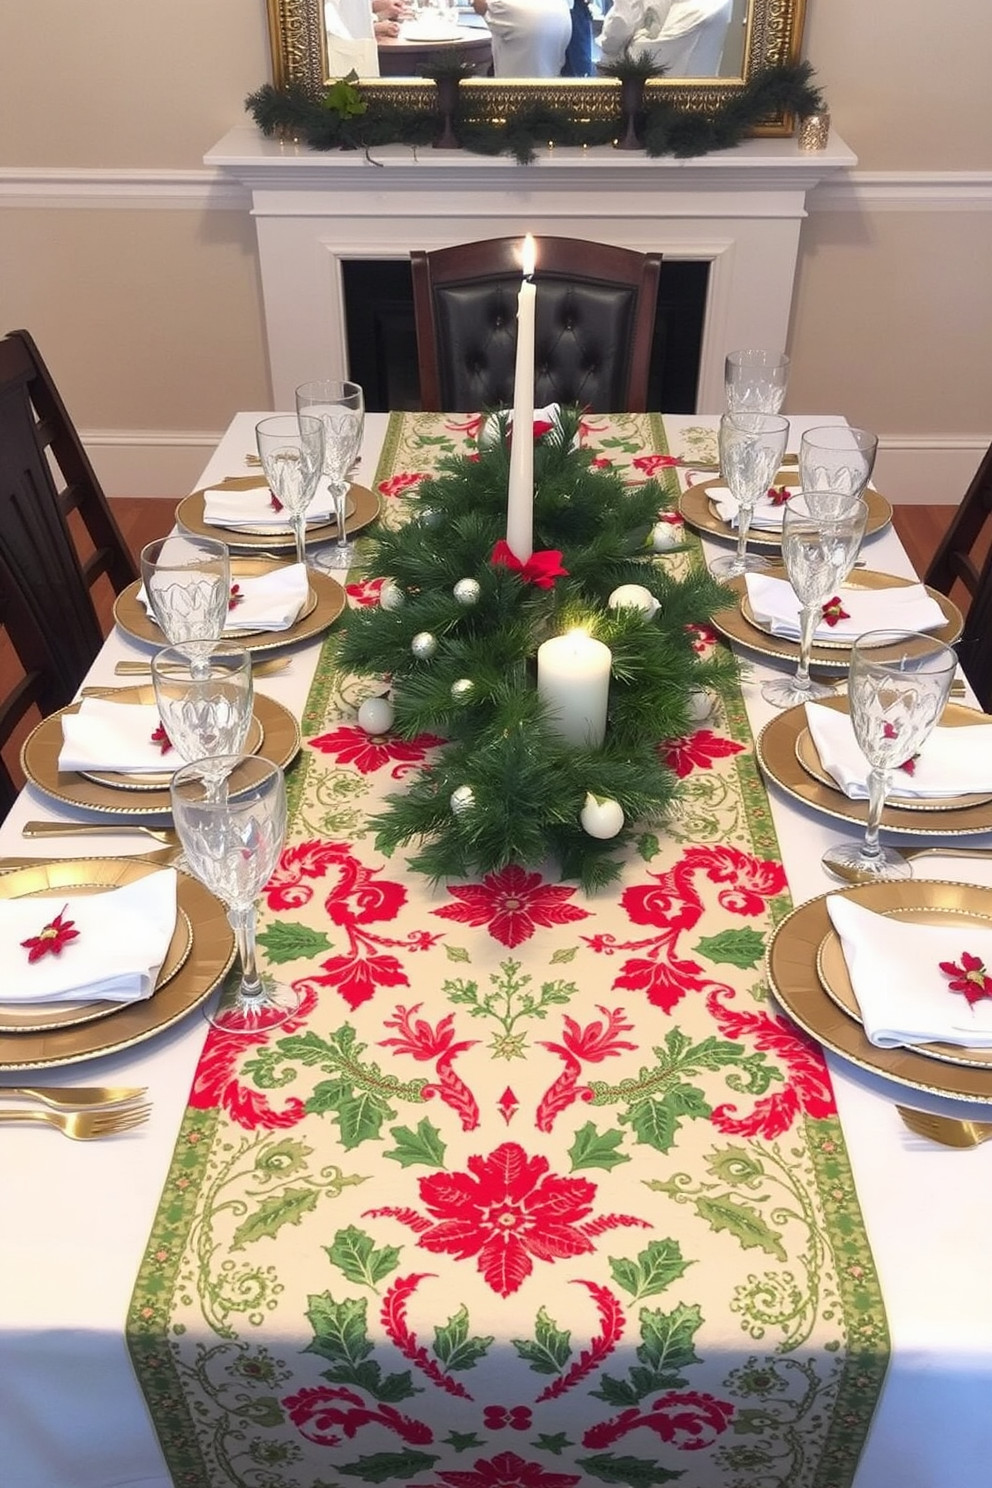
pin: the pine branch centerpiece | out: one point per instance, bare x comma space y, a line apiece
457, 632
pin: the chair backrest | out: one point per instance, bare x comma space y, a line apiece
595, 324
974, 647
50, 631
955, 558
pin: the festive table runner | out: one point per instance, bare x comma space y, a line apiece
538, 1189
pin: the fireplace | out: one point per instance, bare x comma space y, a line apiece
382, 340
732, 218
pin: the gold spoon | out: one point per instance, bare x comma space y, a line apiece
850, 873
96, 829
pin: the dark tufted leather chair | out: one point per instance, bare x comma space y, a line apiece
595, 324
48, 622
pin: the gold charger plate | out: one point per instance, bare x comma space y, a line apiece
210, 958
792, 973
158, 780
974, 907
955, 715
737, 623
40, 763
776, 753
83, 876
363, 508
327, 595
697, 510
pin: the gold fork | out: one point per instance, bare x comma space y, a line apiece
947, 1130
82, 1126
96, 829
265, 667
73, 1097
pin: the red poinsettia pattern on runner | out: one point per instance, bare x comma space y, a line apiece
513, 904
507, 1211
698, 751
398, 485
504, 1470
353, 746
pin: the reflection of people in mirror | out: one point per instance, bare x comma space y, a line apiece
386, 16
530, 37
685, 37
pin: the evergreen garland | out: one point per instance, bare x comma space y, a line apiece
527, 787
341, 119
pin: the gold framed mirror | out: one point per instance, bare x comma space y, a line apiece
765, 33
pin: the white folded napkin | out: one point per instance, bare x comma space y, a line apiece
270, 601
105, 735
767, 516
123, 939
774, 603
903, 995
952, 762
254, 508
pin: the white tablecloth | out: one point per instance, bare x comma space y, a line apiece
74, 1219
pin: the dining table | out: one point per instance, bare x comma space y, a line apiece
540, 1187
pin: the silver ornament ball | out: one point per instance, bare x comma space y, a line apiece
467, 591
462, 689
423, 645
391, 596
462, 799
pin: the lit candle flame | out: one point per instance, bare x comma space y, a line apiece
528, 256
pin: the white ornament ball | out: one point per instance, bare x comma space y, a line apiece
462, 799
391, 596
667, 535
462, 689
423, 645
699, 704
467, 591
601, 818
376, 715
634, 597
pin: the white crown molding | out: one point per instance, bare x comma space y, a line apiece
174, 190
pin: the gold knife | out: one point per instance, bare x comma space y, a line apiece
263, 668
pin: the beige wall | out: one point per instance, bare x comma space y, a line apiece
151, 318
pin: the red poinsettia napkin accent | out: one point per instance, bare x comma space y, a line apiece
161, 738
51, 938
779, 495
833, 611
236, 597
541, 569
969, 978
889, 731
274, 501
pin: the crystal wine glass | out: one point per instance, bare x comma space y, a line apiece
292, 454
187, 582
834, 457
206, 712
818, 553
897, 687
751, 450
341, 408
755, 381
233, 833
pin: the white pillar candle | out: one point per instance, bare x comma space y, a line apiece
573, 679
520, 492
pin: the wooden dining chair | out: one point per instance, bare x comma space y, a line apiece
595, 324
49, 630
960, 554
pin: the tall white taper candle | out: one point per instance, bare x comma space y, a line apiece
520, 492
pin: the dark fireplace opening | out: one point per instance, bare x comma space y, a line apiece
382, 340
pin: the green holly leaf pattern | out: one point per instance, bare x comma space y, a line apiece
636, 1472
594, 1149
421, 1146
564, 954
743, 1221
382, 1466
457, 953
550, 1349
743, 948
667, 1340
261, 1410
277, 1210
657, 1119
355, 1254
648, 846
454, 1347
655, 1268
341, 1335
359, 1113
283, 942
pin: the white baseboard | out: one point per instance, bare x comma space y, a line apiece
927, 472
912, 472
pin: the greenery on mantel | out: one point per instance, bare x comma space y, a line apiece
341, 118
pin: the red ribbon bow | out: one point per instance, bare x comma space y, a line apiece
541, 569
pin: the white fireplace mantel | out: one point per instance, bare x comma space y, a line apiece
738, 209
